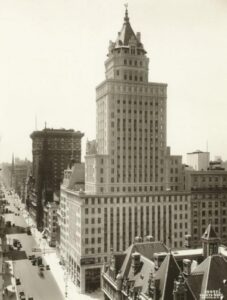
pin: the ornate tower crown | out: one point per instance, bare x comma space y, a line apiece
127, 38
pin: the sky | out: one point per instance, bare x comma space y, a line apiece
52, 55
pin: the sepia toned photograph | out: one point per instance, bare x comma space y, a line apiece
113, 150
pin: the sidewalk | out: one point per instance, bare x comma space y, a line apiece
63, 280
9, 281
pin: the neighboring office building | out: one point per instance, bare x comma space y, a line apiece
208, 202
133, 186
198, 160
52, 150
51, 222
93, 225
146, 272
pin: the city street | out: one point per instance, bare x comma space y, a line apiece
55, 283
36, 284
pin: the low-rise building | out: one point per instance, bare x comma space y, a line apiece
150, 272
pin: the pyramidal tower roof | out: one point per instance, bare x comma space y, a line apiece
209, 233
127, 37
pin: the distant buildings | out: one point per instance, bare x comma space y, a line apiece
198, 160
147, 270
15, 175
52, 150
208, 202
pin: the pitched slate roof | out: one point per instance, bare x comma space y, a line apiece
210, 275
146, 249
166, 274
141, 278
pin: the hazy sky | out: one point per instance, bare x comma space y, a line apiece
52, 56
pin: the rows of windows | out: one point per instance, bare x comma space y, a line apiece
142, 199
153, 90
93, 240
93, 230
92, 220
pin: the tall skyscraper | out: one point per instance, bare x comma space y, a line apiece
130, 152
52, 150
133, 186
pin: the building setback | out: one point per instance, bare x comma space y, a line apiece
52, 150
133, 185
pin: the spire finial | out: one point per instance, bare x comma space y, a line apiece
126, 19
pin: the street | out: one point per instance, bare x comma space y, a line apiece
36, 284
56, 283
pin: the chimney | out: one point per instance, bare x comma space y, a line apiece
188, 241
138, 239
136, 262
187, 266
138, 36
149, 238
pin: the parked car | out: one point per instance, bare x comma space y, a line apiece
17, 281
39, 261
41, 267
41, 273
36, 250
15, 242
47, 267
22, 296
31, 257
29, 231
